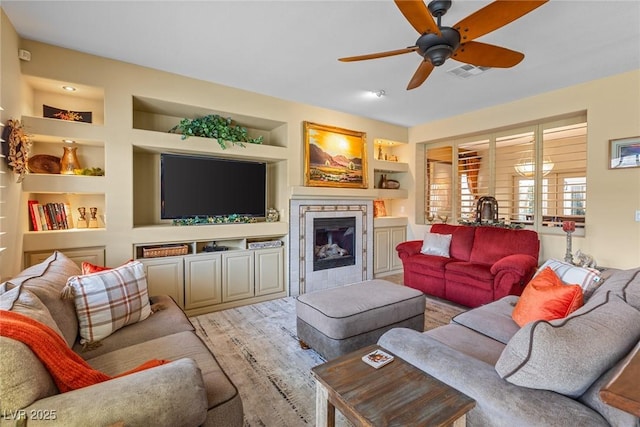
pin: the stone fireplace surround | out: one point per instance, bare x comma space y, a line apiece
302, 277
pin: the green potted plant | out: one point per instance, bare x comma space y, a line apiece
215, 126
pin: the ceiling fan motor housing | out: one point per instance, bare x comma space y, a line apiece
438, 48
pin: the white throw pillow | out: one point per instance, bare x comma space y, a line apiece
436, 244
588, 278
108, 300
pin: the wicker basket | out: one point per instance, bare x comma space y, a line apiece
159, 251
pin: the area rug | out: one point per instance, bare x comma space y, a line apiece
258, 348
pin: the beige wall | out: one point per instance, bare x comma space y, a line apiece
612, 105
613, 111
122, 81
10, 99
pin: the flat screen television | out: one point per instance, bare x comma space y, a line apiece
201, 186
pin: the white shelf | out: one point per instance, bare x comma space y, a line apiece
55, 183
64, 239
160, 142
176, 233
384, 166
352, 193
44, 129
390, 221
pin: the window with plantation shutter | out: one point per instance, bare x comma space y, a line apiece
566, 193
537, 173
439, 188
473, 171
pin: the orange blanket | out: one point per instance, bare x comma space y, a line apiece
69, 371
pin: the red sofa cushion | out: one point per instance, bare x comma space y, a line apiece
476, 272
492, 244
462, 238
430, 265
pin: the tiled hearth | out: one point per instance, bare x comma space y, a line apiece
302, 277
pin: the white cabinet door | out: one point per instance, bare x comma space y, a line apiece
237, 275
269, 271
398, 235
385, 256
202, 280
381, 244
165, 276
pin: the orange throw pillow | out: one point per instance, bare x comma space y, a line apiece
88, 268
546, 297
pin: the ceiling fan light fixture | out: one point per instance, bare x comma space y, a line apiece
438, 54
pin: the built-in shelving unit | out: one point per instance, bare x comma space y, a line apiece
216, 274
386, 164
153, 118
49, 136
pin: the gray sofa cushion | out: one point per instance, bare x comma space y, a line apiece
168, 319
23, 378
568, 355
46, 281
493, 320
625, 283
172, 347
468, 342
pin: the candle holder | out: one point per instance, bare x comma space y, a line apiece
82, 221
568, 227
93, 221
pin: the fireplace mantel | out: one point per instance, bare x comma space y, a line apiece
328, 193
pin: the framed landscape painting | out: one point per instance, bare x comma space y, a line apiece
624, 153
334, 157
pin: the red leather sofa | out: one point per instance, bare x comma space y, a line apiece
485, 263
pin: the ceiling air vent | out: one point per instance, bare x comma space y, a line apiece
465, 71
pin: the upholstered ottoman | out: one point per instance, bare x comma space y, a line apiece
339, 320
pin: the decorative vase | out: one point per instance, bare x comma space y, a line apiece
383, 181
272, 215
69, 161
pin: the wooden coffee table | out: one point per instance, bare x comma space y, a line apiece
397, 394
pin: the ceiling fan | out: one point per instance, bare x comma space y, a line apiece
436, 43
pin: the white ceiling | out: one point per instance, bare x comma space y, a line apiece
289, 49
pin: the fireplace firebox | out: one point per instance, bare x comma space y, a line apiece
334, 242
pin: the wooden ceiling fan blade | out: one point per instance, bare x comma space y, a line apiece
379, 54
487, 55
418, 16
493, 16
420, 75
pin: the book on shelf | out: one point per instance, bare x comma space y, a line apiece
36, 225
50, 216
68, 215
43, 218
377, 358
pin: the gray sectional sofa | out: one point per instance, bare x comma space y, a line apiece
190, 390
547, 373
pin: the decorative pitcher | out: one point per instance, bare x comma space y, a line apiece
69, 161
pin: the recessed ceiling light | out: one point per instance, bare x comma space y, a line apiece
379, 93
69, 88
68, 141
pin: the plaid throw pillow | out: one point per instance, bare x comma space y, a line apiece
108, 300
588, 278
